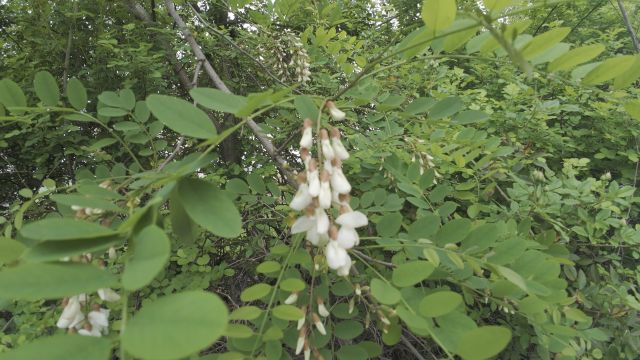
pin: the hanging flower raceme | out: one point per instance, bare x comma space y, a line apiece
321, 188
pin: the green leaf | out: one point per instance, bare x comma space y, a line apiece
348, 330
495, 6
411, 273
62, 347
55, 250
46, 88
151, 250
513, 277
288, 312
64, 229
215, 99
453, 231
576, 57
544, 42
384, 292
609, 69
34, 281
292, 284
456, 40
352, 352
11, 94
628, 77
306, 107
255, 292
420, 105
175, 326
181, 116
181, 224
470, 117
268, 267
256, 183
440, 303
111, 111
238, 331
100, 144
483, 343
209, 207
76, 94
246, 313
389, 225
445, 108
10, 250
438, 14
633, 108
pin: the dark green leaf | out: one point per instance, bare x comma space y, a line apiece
76, 94
181, 116
46, 88
151, 249
215, 99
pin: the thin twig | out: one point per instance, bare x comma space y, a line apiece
362, 255
412, 348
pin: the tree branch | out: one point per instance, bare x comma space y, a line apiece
217, 81
627, 23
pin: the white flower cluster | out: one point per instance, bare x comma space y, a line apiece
319, 190
95, 323
290, 59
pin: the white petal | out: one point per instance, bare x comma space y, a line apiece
70, 313
98, 318
347, 237
327, 150
322, 222
302, 224
317, 239
344, 270
339, 149
320, 327
301, 322
322, 310
93, 332
325, 195
336, 256
314, 183
291, 299
76, 207
337, 114
327, 166
302, 199
108, 295
299, 345
353, 219
307, 138
339, 182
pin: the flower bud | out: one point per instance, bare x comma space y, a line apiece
336, 113
318, 323
322, 310
293, 297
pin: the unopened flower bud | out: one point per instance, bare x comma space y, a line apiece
322, 310
336, 114
293, 297
301, 339
318, 323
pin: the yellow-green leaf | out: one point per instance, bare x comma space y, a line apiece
438, 14
544, 42
576, 57
609, 69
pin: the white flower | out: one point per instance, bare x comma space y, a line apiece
302, 199
291, 299
313, 177
339, 182
337, 257
301, 341
303, 223
327, 150
90, 331
318, 323
112, 253
327, 166
348, 237
107, 294
336, 113
307, 137
322, 221
99, 320
306, 157
324, 197
307, 352
344, 270
322, 310
339, 149
316, 239
76, 207
72, 314
352, 219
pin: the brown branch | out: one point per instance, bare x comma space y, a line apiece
217, 81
